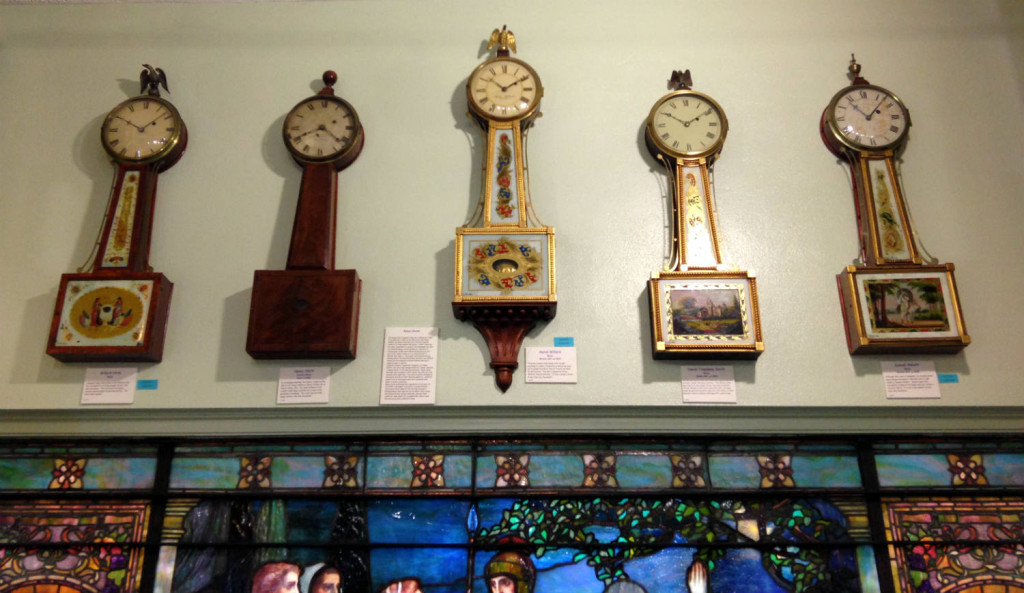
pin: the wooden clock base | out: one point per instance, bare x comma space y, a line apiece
304, 314
503, 326
110, 317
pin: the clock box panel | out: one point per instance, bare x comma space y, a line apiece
705, 314
902, 309
304, 314
504, 266
110, 319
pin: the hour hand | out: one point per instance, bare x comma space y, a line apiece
142, 129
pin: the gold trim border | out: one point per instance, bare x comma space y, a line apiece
460, 232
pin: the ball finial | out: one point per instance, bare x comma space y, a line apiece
330, 77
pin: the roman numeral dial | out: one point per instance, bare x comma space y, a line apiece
867, 117
504, 88
687, 124
320, 129
143, 129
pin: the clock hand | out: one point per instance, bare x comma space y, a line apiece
867, 116
685, 123
130, 123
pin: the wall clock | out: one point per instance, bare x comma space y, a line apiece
117, 311
894, 302
504, 256
700, 308
311, 310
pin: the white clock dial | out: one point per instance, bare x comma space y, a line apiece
504, 88
141, 129
687, 124
868, 117
321, 129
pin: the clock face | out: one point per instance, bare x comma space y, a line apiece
142, 129
504, 89
687, 124
321, 129
868, 117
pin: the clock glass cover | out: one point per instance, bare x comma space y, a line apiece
504, 88
868, 117
141, 129
687, 124
321, 128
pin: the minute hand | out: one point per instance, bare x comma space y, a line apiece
868, 115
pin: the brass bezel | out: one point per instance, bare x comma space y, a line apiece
168, 148
654, 141
837, 135
481, 112
513, 231
354, 145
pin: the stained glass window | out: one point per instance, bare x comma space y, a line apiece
800, 515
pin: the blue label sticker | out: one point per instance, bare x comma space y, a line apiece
949, 378
145, 384
564, 343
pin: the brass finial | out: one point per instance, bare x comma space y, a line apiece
504, 39
855, 71
680, 81
151, 79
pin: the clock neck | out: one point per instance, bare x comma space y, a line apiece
885, 233
694, 225
505, 189
312, 246
128, 227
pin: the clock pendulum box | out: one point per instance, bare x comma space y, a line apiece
700, 307
311, 310
894, 302
118, 311
504, 257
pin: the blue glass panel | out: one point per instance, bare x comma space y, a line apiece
1004, 469
458, 471
826, 472
119, 473
298, 472
440, 570
388, 472
644, 471
734, 472
25, 473
418, 520
913, 470
868, 570
556, 470
204, 472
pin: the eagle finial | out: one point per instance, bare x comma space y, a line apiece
504, 39
680, 80
151, 79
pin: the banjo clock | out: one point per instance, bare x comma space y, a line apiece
700, 308
311, 310
117, 311
504, 256
894, 302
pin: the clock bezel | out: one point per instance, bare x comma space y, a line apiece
347, 153
173, 144
835, 130
655, 144
486, 114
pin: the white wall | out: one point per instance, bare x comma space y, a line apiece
785, 205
